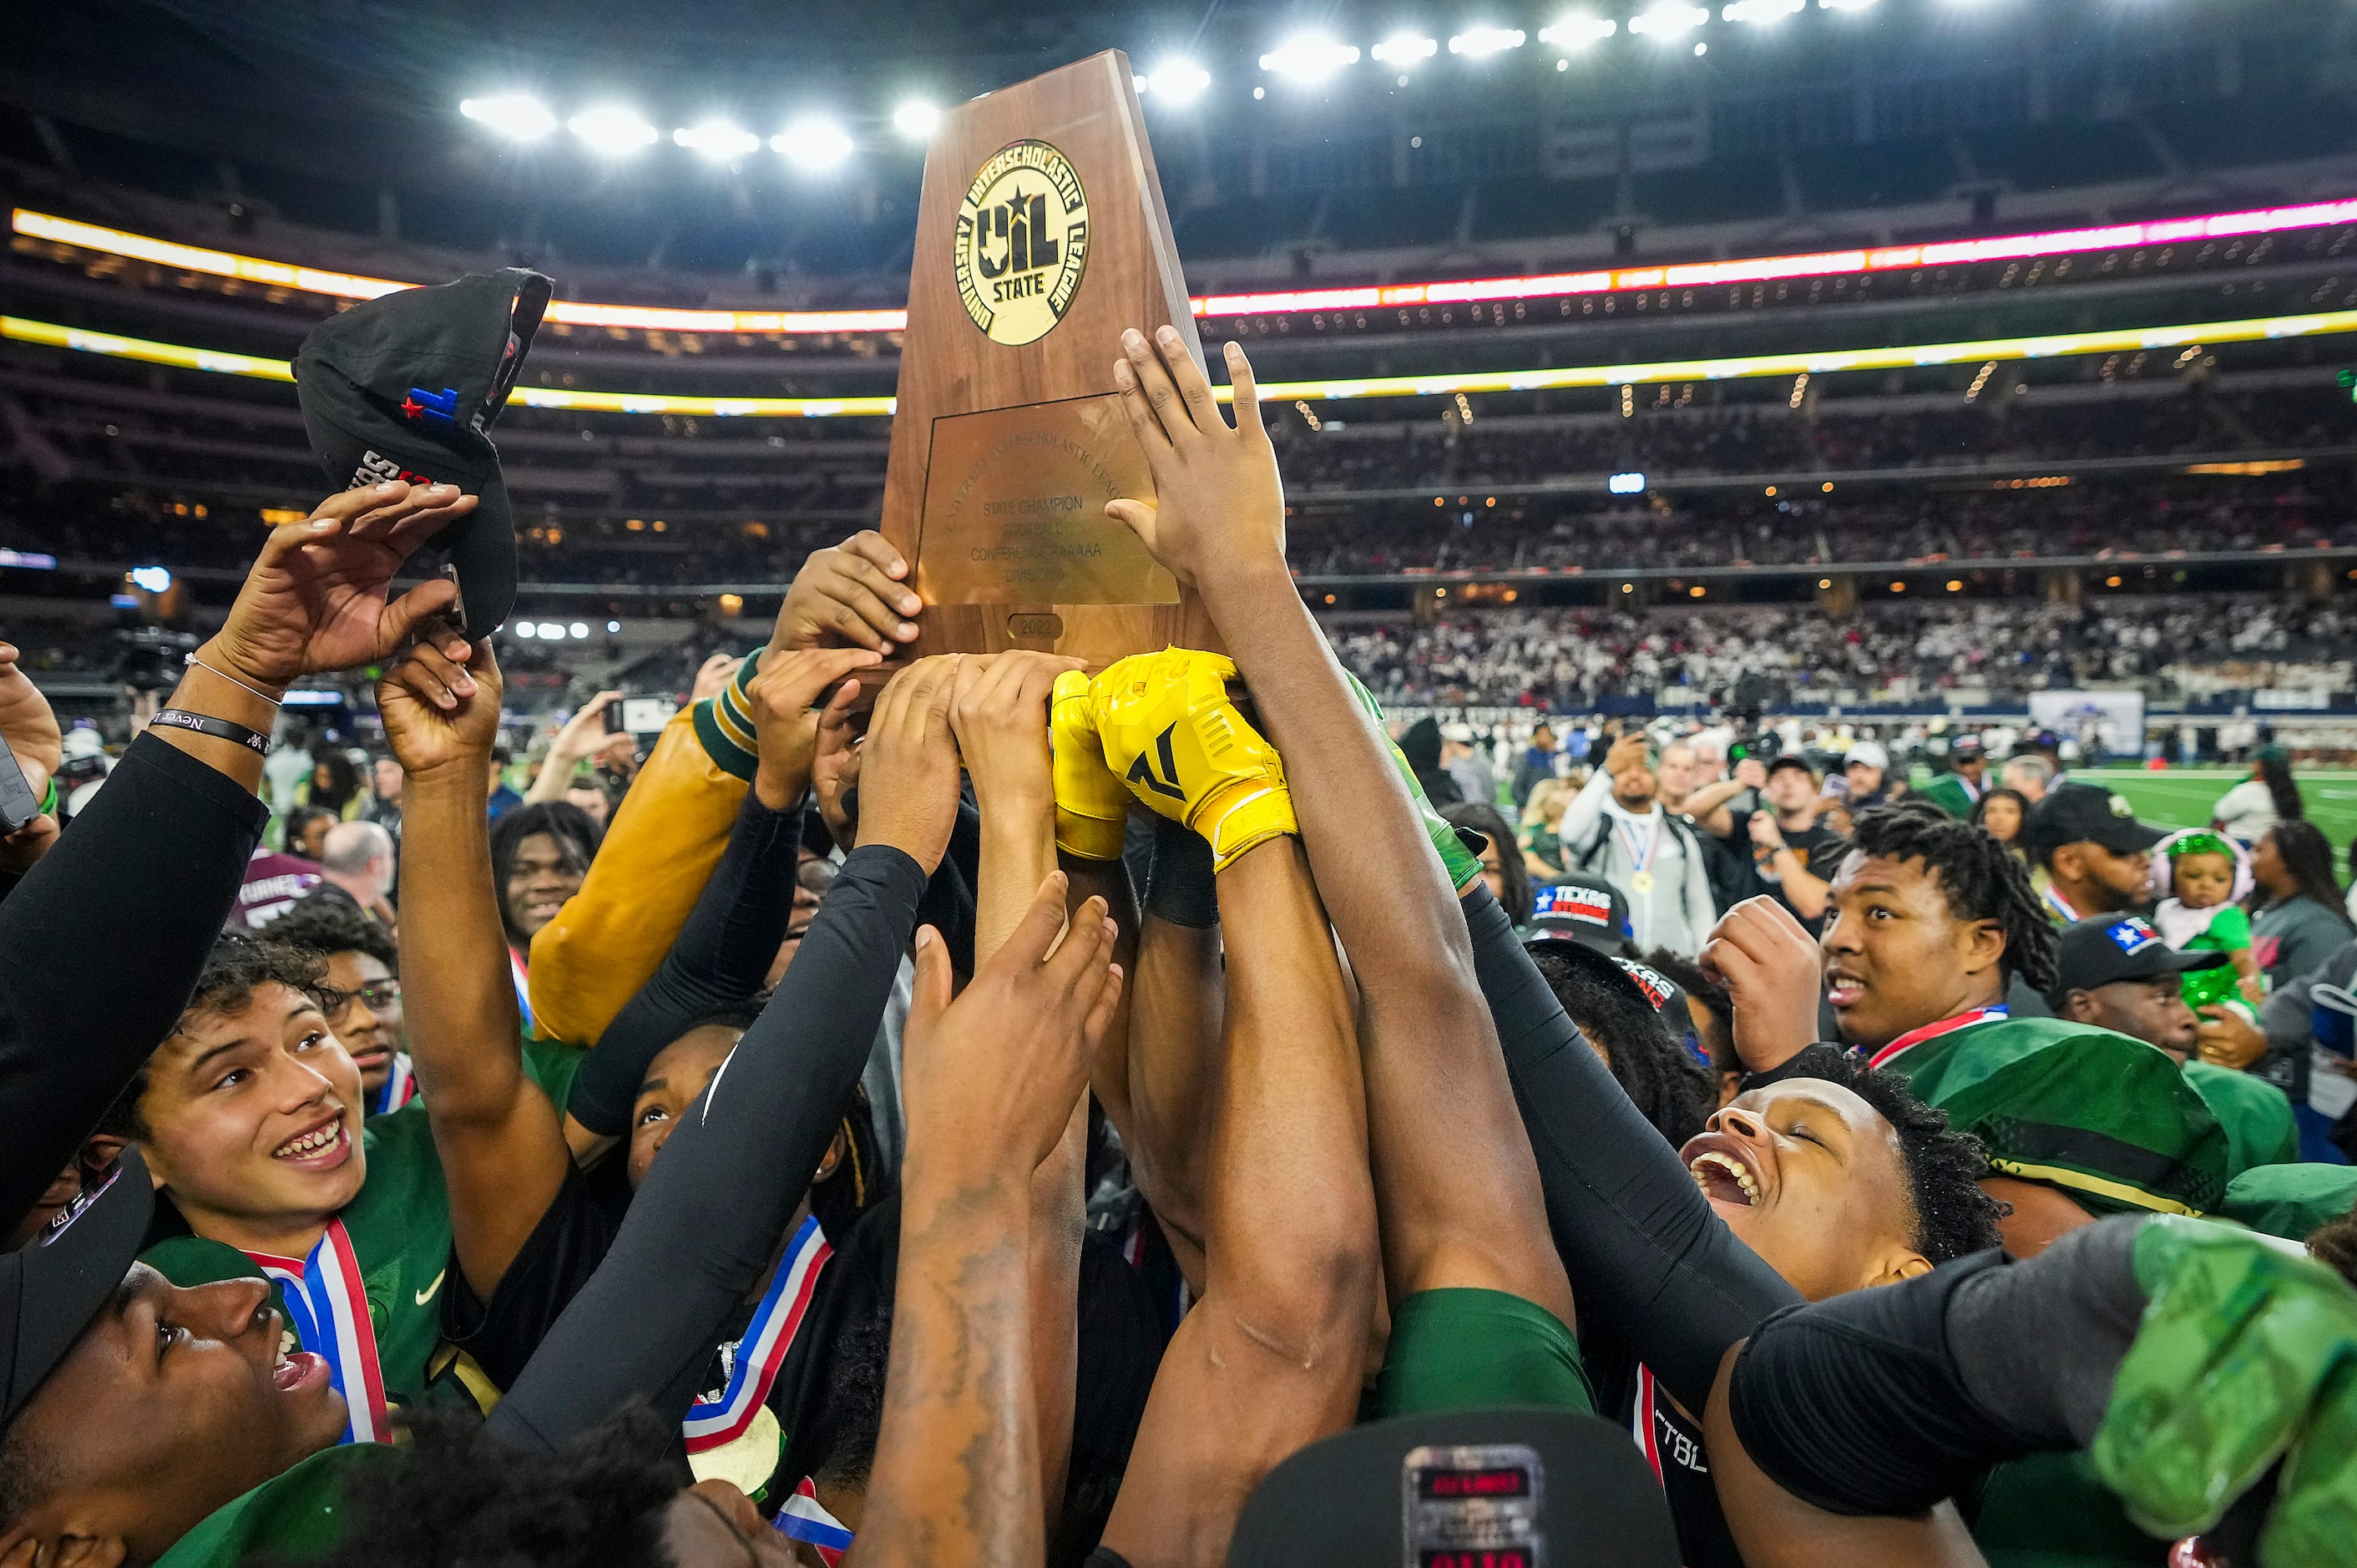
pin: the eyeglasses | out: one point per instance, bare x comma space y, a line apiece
379, 994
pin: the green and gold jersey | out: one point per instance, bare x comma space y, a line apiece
293, 1516
2255, 1115
399, 1228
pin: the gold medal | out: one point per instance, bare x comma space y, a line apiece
1641, 882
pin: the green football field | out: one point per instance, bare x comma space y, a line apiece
2181, 798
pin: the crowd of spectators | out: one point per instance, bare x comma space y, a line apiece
1570, 661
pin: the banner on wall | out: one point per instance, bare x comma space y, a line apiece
2114, 720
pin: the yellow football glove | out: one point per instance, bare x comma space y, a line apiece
1172, 735
1091, 802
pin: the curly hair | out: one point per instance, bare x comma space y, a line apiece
1981, 879
238, 966
456, 1497
1952, 1216
326, 926
1669, 1088
570, 825
2334, 1244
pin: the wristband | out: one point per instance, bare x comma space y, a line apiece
195, 663
50, 798
220, 729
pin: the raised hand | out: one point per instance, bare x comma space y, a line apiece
317, 599
834, 773
1630, 753
991, 1079
1218, 500
1774, 974
786, 716
441, 705
712, 677
1092, 802
909, 770
999, 711
849, 596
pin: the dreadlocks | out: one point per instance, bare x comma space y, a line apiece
1980, 878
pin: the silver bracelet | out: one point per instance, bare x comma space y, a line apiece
193, 660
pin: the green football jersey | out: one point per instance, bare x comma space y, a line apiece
399, 1230
295, 1514
2049, 1510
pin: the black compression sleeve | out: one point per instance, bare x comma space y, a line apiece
1644, 1251
721, 957
708, 1218
1180, 887
1886, 1401
158, 853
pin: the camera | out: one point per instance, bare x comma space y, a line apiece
151, 657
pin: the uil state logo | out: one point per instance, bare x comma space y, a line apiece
1022, 243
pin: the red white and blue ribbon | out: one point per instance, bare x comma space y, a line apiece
523, 986
805, 1518
1913, 1037
1641, 858
327, 1305
399, 1087
2061, 906
710, 1424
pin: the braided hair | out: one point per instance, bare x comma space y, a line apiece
1980, 877
1669, 1088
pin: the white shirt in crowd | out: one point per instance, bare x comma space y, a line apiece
1602, 838
2246, 811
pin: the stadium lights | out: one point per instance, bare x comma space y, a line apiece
1475, 42
1843, 4
183, 258
1178, 79
154, 579
1578, 30
1626, 484
813, 144
512, 114
916, 120
1668, 20
1760, 10
1801, 365
1406, 48
1309, 58
611, 132
718, 139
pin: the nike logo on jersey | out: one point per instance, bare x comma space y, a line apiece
427, 1294
1167, 784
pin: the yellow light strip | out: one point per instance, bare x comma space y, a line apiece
1895, 359
2255, 329
107, 343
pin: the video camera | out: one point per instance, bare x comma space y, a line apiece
151, 657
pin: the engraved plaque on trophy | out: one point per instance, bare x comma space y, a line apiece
1041, 234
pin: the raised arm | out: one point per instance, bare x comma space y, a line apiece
999, 711
990, 1079
580, 737
162, 849
503, 1149
723, 953
708, 1218
1462, 1210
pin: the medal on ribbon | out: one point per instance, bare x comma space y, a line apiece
1640, 879
714, 1423
326, 1307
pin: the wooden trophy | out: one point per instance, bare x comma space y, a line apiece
1040, 237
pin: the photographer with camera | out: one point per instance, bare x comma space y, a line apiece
1616, 828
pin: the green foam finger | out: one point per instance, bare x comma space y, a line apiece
2235, 1341
2314, 1521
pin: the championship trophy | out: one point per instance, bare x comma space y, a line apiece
1040, 236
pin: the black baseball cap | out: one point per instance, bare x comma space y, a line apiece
2121, 947
2087, 813
1792, 759
405, 387
1584, 909
55, 1284
1550, 1487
